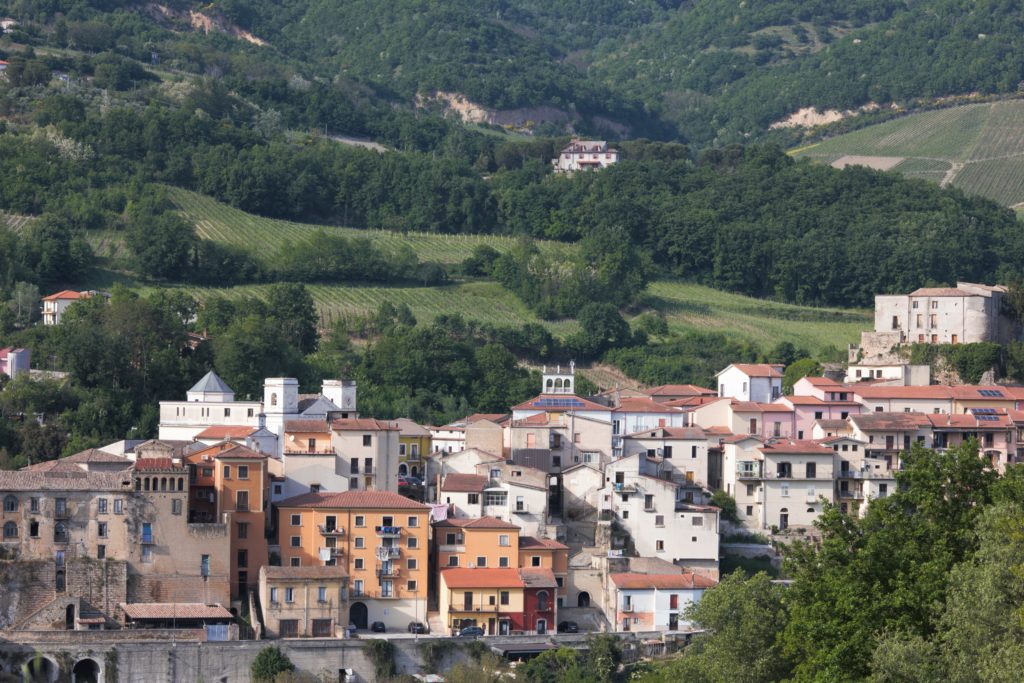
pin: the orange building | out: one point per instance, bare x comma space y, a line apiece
478, 542
544, 553
227, 477
380, 537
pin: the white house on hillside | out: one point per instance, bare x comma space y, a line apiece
585, 155
759, 383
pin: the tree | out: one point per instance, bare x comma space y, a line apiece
602, 328
163, 243
604, 654
25, 303
268, 663
805, 367
291, 305
727, 504
562, 665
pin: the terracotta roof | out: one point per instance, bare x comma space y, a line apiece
493, 417
463, 577
226, 432
538, 578
61, 480
752, 407
803, 446
718, 430
237, 452
688, 433
634, 581
66, 294
642, 405
317, 426
358, 500
942, 291
362, 424
537, 420
891, 421
971, 421
691, 402
832, 424
560, 403
476, 523
971, 391
757, 369
901, 392
736, 438
822, 382
156, 464
174, 610
409, 428
680, 390
467, 483
88, 456
304, 573
534, 543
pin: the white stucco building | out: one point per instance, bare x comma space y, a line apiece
653, 602
585, 155
755, 382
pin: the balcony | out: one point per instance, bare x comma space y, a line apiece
147, 539
389, 531
62, 512
333, 552
391, 571
851, 495
521, 510
309, 451
748, 470
866, 474
336, 532
385, 552
621, 487
627, 608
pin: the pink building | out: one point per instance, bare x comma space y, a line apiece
809, 409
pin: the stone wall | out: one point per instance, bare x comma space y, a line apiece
27, 599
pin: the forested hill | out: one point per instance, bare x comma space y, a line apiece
704, 71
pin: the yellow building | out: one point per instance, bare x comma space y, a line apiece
413, 446
489, 598
381, 538
304, 601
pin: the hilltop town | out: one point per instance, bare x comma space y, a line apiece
298, 516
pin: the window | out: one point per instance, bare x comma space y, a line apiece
410, 586
296, 541
101, 552
812, 468
321, 594
777, 429
147, 553
360, 520
453, 560
659, 546
367, 440
412, 542
289, 594
473, 498
449, 539
354, 466
919, 318
207, 471
243, 471
359, 542
387, 520
535, 560
503, 597
242, 529
750, 489
481, 561
502, 561
412, 564
243, 558
495, 474
785, 491
401, 449
10, 530
935, 304
278, 489
295, 562
10, 503
357, 587
496, 498
503, 540
242, 501
542, 601
697, 521
101, 529
227, 471
176, 506
101, 506
914, 304
659, 520
750, 511
296, 520
648, 502
414, 521
273, 595
33, 529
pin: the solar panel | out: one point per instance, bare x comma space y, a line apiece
990, 392
983, 411
559, 403
988, 418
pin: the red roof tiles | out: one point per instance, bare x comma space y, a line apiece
66, 294
476, 523
226, 432
174, 610
358, 500
464, 483
634, 581
533, 543
362, 424
461, 577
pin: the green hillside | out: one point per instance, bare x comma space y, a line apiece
978, 148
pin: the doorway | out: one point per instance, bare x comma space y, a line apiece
583, 600
86, 671
358, 615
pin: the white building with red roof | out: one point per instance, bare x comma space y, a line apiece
55, 304
757, 382
653, 602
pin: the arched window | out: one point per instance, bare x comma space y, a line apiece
568, 385
10, 503
273, 399
181, 483
542, 601
163, 483
558, 383
550, 383
138, 484
10, 530
811, 510
145, 484
60, 533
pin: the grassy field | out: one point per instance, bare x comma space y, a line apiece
976, 147
223, 223
686, 306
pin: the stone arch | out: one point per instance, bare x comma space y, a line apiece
583, 599
86, 671
359, 615
40, 669
558, 383
145, 484
403, 469
163, 483
550, 384
568, 386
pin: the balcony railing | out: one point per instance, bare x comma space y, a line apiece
627, 608
334, 552
852, 495
866, 474
331, 531
625, 487
392, 571
147, 539
309, 451
389, 531
62, 512
748, 471
389, 552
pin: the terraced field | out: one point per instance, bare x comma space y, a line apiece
976, 147
223, 223
15, 222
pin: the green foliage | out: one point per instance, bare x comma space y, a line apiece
692, 357
970, 361
604, 654
381, 652
561, 665
805, 367
727, 504
434, 652
268, 663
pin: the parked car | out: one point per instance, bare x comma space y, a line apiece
378, 627
418, 627
568, 627
471, 632
409, 480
